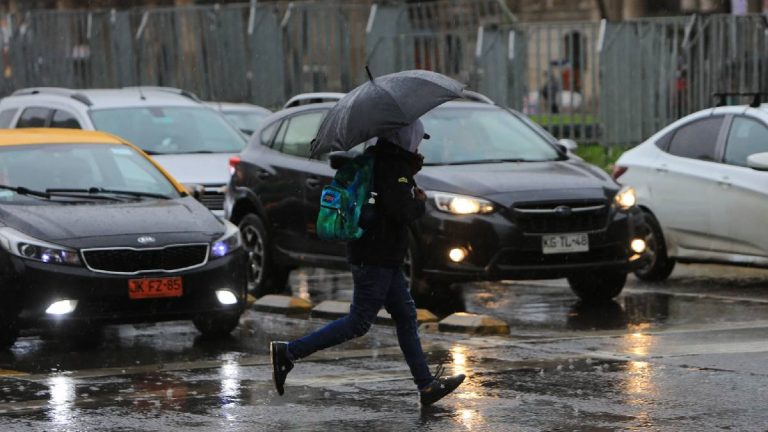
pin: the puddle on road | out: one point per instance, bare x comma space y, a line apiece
552, 307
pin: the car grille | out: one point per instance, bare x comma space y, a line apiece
544, 218
133, 261
213, 198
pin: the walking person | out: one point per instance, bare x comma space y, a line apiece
376, 260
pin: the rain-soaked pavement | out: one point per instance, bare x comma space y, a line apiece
688, 354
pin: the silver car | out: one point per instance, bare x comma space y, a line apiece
189, 139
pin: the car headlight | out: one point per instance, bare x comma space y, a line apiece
626, 198
227, 243
24, 246
460, 204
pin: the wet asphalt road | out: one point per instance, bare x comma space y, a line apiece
689, 354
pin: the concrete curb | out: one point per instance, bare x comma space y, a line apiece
283, 304
333, 309
462, 322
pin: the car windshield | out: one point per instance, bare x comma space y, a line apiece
171, 130
79, 167
461, 135
246, 121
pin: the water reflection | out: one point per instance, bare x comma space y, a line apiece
63, 395
601, 316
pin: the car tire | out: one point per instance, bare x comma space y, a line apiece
264, 276
217, 324
9, 333
83, 337
660, 266
598, 287
429, 293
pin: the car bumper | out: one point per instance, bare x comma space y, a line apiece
104, 298
498, 249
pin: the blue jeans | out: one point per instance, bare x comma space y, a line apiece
374, 287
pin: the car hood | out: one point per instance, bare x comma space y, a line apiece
510, 182
182, 220
203, 169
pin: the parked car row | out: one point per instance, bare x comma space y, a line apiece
95, 230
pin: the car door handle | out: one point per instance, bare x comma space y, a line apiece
263, 175
725, 182
662, 168
312, 182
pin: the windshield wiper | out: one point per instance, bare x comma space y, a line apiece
99, 191
21, 190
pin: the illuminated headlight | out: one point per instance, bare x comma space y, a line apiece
626, 198
226, 297
459, 204
228, 243
24, 246
62, 307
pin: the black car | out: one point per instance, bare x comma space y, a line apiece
92, 232
506, 201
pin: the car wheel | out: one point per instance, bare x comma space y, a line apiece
659, 265
83, 337
426, 292
598, 287
264, 277
216, 325
9, 332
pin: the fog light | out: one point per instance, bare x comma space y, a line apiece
226, 297
638, 245
61, 307
457, 255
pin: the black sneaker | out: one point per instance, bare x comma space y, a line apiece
281, 365
440, 387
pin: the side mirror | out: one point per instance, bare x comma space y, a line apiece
568, 145
758, 161
196, 191
340, 158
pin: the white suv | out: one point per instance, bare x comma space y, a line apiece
703, 183
189, 139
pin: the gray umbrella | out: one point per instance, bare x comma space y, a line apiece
381, 105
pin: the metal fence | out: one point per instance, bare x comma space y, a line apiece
655, 71
614, 83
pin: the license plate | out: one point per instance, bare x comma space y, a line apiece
565, 243
154, 288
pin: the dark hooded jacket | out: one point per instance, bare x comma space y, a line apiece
385, 240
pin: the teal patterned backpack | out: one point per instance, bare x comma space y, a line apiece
342, 201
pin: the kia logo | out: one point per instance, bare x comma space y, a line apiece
145, 239
563, 211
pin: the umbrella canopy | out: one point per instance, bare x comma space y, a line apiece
381, 105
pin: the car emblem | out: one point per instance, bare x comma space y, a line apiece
563, 211
145, 239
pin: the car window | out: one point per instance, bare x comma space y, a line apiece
6, 117
663, 142
171, 130
63, 119
33, 117
268, 133
468, 134
80, 166
745, 138
697, 140
299, 133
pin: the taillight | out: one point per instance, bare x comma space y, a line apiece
233, 162
618, 171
